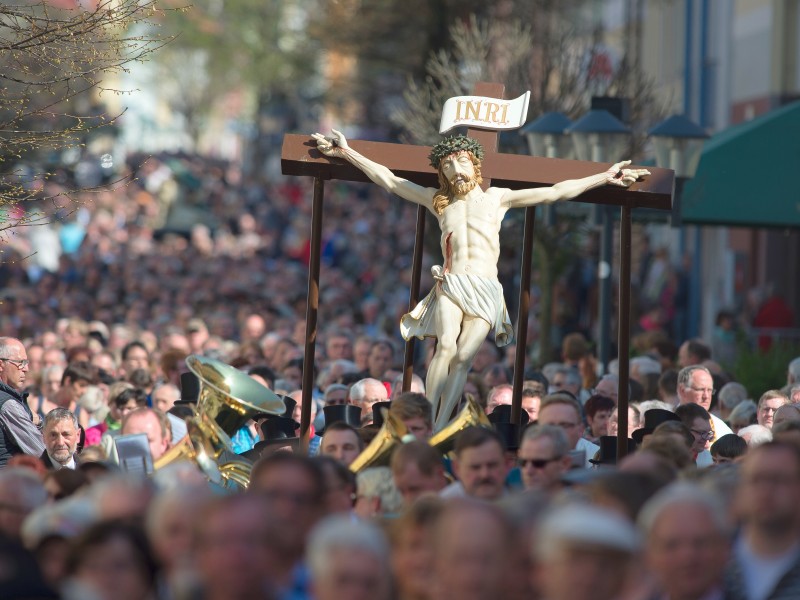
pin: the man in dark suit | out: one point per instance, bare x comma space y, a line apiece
61, 436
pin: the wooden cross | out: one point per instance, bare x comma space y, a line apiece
299, 156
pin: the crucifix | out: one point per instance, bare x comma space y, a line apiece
467, 279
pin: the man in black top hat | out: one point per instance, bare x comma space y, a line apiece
652, 419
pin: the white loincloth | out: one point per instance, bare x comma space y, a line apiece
476, 296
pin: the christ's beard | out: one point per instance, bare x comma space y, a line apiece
462, 187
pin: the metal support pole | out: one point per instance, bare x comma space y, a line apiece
312, 307
624, 329
604, 272
413, 296
522, 314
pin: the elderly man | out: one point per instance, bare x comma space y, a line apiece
543, 457
500, 394
18, 434
165, 395
608, 386
364, 394
584, 552
466, 303
61, 437
688, 542
696, 386
154, 424
479, 464
562, 410
766, 559
349, 561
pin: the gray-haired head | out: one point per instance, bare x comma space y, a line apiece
745, 412
793, 374
342, 534
378, 482
581, 525
59, 414
683, 494
553, 433
755, 435
646, 365
731, 394
685, 375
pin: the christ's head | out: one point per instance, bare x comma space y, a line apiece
458, 161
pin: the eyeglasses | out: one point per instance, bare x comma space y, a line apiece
703, 435
20, 364
701, 390
537, 463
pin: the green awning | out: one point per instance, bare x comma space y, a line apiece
749, 174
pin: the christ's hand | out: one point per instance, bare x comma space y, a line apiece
334, 146
624, 177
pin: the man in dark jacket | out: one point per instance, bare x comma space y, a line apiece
18, 434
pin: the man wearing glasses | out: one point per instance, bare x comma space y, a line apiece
543, 457
695, 386
18, 434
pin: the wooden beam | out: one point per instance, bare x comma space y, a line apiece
300, 157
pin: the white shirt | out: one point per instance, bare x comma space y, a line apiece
720, 428
57, 465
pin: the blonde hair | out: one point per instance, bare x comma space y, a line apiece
444, 195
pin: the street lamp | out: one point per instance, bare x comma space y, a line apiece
600, 137
546, 136
678, 144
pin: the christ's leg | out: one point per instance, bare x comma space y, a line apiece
473, 331
448, 326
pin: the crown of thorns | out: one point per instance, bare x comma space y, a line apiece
451, 145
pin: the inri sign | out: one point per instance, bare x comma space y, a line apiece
484, 113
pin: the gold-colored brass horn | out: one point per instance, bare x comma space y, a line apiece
472, 415
196, 446
380, 448
230, 397
227, 399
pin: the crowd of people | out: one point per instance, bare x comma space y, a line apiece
703, 506
98, 322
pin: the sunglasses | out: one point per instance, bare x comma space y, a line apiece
538, 463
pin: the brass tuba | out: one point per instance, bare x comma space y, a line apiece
472, 415
227, 399
380, 448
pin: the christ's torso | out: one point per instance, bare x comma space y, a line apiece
471, 233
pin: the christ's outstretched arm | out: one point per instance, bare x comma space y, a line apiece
567, 190
378, 173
